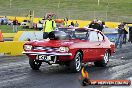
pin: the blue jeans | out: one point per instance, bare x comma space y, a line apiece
14, 28
45, 35
124, 38
119, 40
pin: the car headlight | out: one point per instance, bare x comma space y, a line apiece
63, 49
27, 47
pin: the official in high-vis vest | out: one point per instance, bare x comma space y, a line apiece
49, 26
65, 23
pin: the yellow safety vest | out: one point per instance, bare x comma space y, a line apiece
65, 23
49, 25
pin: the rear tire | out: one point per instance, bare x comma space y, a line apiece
104, 61
75, 64
35, 65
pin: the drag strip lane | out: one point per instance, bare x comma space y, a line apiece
15, 72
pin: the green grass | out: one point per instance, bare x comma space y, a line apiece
108, 10
8, 29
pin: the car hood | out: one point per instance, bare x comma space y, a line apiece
54, 43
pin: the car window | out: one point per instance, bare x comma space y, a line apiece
93, 37
81, 34
75, 33
100, 36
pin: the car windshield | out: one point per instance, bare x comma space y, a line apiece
65, 29
80, 33
75, 33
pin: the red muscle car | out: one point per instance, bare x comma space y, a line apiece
70, 47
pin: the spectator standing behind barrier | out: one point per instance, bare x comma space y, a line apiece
5, 20
43, 20
120, 35
76, 24
49, 26
100, 28
15, 24
72, 24
65, 22
2, 21
94, 24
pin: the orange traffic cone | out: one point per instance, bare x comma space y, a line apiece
1, 37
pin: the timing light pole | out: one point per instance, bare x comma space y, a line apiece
59, 4
10, 3
98, 2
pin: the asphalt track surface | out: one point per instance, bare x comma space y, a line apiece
15, 72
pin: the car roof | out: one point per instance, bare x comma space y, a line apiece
81, 28
85, 28
68, 27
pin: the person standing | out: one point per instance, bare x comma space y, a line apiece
125, 33
5, 19
125, 36
76, 24
120, 35
72, 24
101, 27
49, 26
65, 22
130, 34
94, 24
15, 23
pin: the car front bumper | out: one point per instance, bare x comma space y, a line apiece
48, 54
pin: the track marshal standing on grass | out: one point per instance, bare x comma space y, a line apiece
49, 26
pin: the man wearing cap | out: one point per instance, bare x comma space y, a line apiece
94, 24
119, 40
100, 27
49, 26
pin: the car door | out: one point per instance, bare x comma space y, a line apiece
101, 49
94, 45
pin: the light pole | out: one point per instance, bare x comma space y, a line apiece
98, 2
59, 4
107, 9
10, 3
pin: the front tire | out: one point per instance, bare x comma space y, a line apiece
34, 64
104, 61
75, 64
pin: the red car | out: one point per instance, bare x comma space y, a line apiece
70, 47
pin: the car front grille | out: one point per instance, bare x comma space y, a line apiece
48, 49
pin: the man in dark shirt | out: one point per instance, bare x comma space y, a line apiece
94, 25
72, 24
120, 35
130, 34
100, 28
15, 23
125, 36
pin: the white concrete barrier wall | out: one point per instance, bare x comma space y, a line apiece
32, 35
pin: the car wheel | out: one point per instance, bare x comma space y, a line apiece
104, 61
75, 64
35, 65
